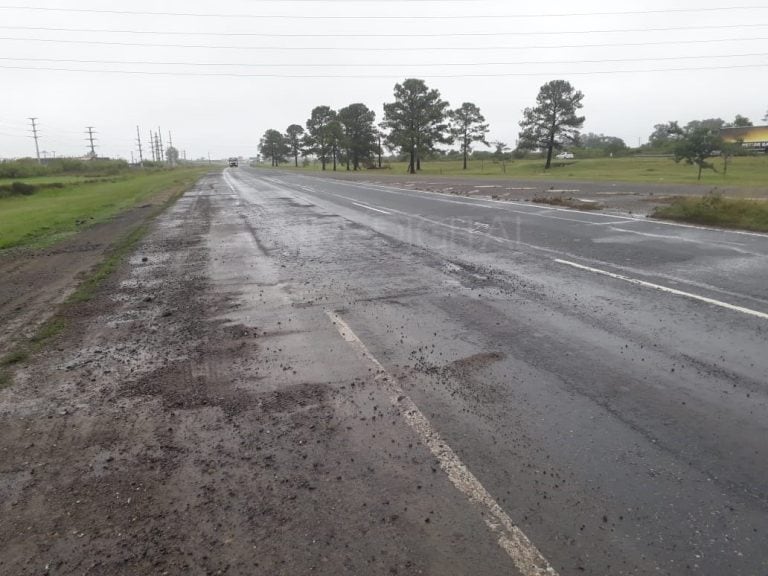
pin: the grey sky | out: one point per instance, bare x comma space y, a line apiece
226, 115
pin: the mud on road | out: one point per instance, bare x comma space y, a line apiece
157, 435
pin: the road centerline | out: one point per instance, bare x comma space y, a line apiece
720, 303
370, 208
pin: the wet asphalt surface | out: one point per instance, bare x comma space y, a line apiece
296, 375
624, 429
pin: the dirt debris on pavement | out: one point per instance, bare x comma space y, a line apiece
158, 436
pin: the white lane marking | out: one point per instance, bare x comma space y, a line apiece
526, 557
450, 198
637, 282
502, 240
370, 208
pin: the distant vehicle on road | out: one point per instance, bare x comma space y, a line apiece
565, 156
233, 162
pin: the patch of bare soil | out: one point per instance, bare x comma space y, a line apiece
34, 281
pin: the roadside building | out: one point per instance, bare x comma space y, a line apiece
751, 137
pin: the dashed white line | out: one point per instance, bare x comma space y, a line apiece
370, 208
742, 309
524, 554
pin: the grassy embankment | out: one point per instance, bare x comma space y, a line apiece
50, 214
746, 172
715, 210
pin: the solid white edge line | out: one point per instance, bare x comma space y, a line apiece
524, 554
637, 282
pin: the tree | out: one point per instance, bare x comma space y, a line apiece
274, 146
172, 155
709, 123
318, 137
740, 122
665, 135
765, 118
415, 120
553, 122
293, 136
500, 149
609, 145
468, 126
335, 135
360, 137
696, 144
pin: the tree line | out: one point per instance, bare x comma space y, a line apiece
698, 141
415, 123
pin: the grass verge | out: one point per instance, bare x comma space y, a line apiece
88, 287
714, 210
50, 214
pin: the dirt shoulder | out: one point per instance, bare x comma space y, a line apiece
619, 197
34, 281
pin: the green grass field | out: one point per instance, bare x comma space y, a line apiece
50, 214
63, 179
747, 172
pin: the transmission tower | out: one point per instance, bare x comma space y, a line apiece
152, 146
90, 139
138, 141
162, 148
35, 136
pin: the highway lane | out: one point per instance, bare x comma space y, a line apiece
727, 262
603, 378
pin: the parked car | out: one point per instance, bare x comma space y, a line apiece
565, 156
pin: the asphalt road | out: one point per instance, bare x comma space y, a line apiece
593, 388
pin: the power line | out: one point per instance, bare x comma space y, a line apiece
388, 48
384, 76
380, 65
379, 17
372, 35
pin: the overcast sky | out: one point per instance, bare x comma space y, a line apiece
227, 80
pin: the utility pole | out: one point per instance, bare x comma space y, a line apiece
90, 139
158, 155
162, 148
153, 141
170, 144
138, 141
35, 136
